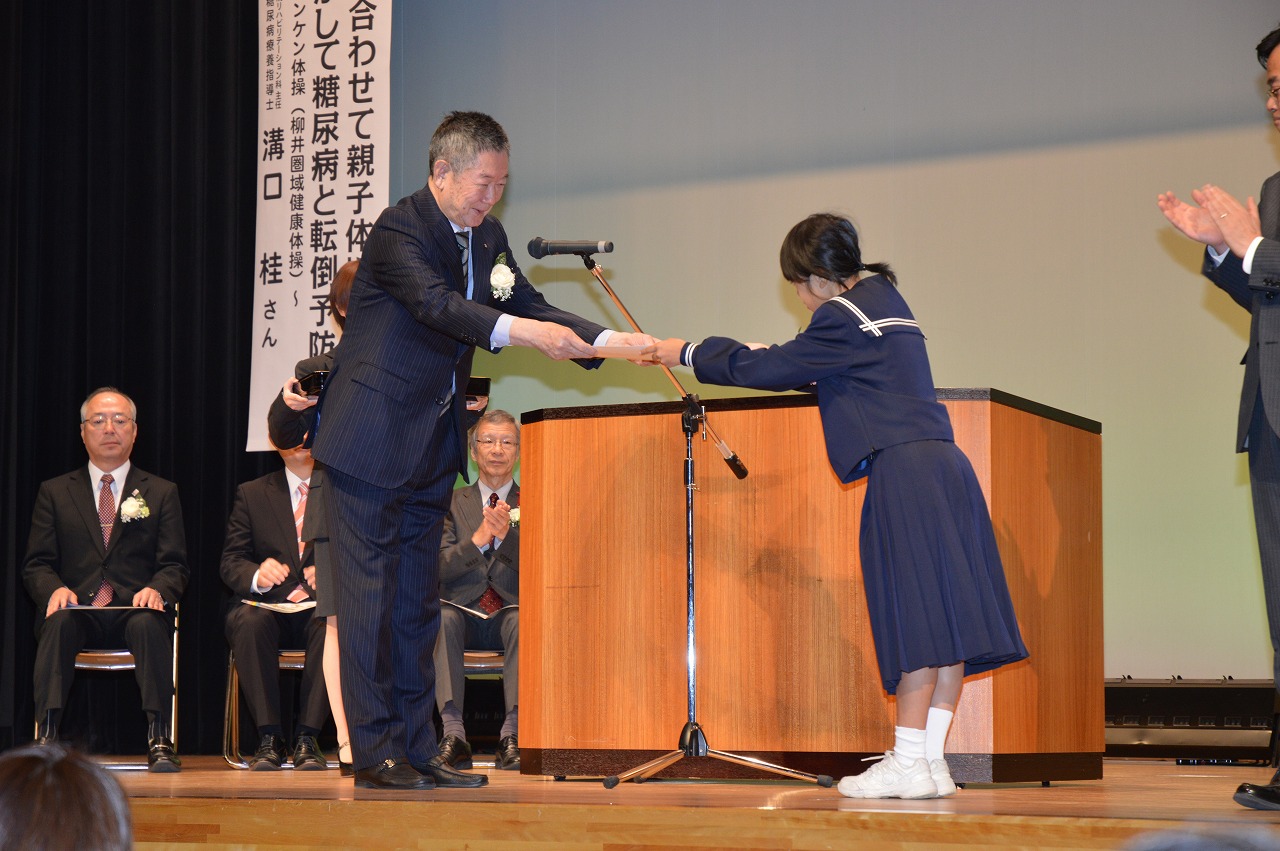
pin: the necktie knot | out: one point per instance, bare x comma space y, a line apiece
108, 478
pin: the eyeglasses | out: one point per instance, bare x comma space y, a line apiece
1274, 94
100, 420
505, 443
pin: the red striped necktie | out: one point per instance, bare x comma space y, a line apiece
106, 519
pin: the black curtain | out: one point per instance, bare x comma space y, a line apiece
128, 169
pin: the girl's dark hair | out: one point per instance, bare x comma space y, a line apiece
826, 245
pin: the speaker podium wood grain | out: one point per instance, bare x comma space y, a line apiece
785, 665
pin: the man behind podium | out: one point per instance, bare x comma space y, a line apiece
107, 537
266, 562
480, 572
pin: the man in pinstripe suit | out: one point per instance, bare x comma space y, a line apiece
1242, 256
437, 278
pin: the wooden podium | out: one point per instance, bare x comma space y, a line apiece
786, 670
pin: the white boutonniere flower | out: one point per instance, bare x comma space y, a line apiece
134, 508
515, 516
502, 280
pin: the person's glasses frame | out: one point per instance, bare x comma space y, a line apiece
505, 443
100, 420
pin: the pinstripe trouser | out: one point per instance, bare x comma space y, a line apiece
386, 549
1264, 480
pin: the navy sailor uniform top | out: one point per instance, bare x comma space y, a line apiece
864, 355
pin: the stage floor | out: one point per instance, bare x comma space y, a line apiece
210, 805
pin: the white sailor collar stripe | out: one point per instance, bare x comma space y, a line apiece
873, 326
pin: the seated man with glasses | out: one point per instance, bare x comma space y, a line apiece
480, 585
106, 562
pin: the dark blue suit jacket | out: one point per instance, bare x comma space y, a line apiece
409, 338
1262, 361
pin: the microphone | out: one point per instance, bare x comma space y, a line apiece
539, 247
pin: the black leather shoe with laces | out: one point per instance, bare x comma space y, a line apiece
456, 753
307, 755
270, 754
508, 758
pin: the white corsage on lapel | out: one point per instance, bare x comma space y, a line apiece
502, 280
134, 507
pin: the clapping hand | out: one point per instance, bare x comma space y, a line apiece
1238, 223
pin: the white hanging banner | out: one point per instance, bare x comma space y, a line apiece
324, 89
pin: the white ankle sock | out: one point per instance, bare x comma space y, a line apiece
935, 732
908, 745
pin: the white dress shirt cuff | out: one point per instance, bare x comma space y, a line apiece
1248, 255
501, 336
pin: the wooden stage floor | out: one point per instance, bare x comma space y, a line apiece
209, 805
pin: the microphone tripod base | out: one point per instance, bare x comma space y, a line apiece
693, 742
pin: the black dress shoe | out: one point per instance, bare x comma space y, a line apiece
307, 755
161, 757
270, 754
446, 778
393, 774
508, 758
345, 769
1258, 797
456, 753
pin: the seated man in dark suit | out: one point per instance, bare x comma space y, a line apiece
107, 537
480, 575
266, 562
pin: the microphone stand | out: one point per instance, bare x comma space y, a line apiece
693, 742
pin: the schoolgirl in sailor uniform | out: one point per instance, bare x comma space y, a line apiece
936, 593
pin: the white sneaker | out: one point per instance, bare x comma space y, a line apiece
888, 779
941, 774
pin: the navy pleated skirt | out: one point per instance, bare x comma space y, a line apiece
936, 590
